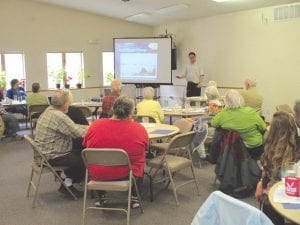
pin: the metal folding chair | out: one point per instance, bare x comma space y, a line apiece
34, 111
109, 157
41, 166
172, 164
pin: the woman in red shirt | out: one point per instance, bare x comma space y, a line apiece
119, 132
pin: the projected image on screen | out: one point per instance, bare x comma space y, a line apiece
139, 61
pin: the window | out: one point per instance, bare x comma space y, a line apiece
65, 68
12, 66
108, 67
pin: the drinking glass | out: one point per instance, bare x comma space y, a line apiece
288, 169
145, 119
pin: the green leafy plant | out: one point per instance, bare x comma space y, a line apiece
2, 80
58, 76
82, 76
109, 77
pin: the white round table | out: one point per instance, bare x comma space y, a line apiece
158, 131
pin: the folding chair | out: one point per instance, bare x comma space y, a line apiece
40, 168
221, 209
184, 127
144, 119
109, 157
199, 140
172, 164
34, 111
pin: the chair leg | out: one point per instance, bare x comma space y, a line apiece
129, 200
29, 185
138, 195
63, 183
197, 187
37, 188
173, 186
84, 202
31, 128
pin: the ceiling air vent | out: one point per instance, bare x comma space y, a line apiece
287, 12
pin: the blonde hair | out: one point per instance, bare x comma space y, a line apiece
148, 93
116, 86
233, 99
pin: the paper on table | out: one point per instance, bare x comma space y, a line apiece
291, 206
281, 197
161, 131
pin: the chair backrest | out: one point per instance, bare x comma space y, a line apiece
37, 153
183, 125
181, 141
200, 135
85, 110
105, 157
284, 108
220, 208
143, 118
32, 109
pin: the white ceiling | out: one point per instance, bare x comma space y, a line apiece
196, 8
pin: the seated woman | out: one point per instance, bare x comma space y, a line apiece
280, 147
150, 107
108, 101
243, 120
213, 98
119, 132
36, 98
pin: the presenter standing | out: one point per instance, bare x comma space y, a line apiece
194, 76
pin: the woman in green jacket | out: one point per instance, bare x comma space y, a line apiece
243, 120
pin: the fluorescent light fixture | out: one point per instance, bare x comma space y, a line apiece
220, 0
138, 17
172, 8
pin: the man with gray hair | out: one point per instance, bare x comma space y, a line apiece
54, 133
251, 95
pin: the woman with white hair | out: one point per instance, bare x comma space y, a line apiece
150, 107
243, 120
213, 95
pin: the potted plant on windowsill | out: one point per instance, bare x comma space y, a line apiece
82, 76
2, 81
66, 81
58, 76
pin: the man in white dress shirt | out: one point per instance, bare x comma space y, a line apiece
194, 76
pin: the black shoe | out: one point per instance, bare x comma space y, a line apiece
63, 190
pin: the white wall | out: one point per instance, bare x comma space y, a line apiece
36, 29
234, 46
